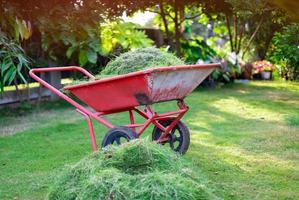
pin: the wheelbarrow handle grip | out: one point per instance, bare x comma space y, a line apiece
53, 89
59, 69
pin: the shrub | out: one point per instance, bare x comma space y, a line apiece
140, 59
13, 62
285, 51
136, 170
122, 34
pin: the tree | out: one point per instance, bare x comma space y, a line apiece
249, 22
273, 23
175, 13
61, 26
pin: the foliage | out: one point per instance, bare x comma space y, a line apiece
195, 49
135, 170
87, 11
249, 24
15, 28
122, 34
140, 59
262, 66
171, 15
226, 73
86, 43
13, 62
273, 21
285, 51
69, 38
64, 31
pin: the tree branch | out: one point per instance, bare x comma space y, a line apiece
192, 17
165, 23
252, 36
159, 13
240, 38
153, 11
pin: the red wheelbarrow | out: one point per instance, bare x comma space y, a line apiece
126, 93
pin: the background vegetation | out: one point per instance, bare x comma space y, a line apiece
89, 33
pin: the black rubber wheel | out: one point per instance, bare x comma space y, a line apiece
179, 136
118, 135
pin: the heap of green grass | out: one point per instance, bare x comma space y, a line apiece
136, 170
141, 59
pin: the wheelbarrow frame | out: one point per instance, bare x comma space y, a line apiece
148, 114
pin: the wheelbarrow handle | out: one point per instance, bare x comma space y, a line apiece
33, 75
59, 69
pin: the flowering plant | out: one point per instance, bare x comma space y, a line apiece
262, 66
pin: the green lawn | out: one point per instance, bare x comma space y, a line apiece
244, 142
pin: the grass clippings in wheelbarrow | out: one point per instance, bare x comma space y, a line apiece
135, 170
140, 59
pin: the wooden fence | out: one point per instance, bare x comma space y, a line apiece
33, 93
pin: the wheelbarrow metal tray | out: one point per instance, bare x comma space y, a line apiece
145, 87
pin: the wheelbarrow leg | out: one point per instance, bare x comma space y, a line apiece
183, 109
91, 131
132, 119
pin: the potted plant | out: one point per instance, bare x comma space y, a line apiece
264, 68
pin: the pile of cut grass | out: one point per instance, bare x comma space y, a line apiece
135, 170
140, 59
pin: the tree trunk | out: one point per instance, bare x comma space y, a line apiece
177, 29
236, 33
229, 33
163, 16
240, 38
262, 52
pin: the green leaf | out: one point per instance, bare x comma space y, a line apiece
19, 67
52, 55
4, 67
22, 77
11, 78
83, 58
17, 29
92, 57
226, 77
9, 75
95, 45
70, 51
1, 87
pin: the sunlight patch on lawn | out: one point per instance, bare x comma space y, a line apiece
245, 110
206, 117
245, 160
12, 125
282, 85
